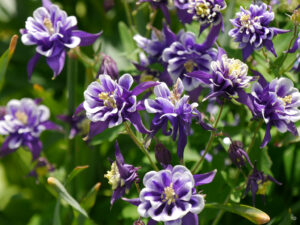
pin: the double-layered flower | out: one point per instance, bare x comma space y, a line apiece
277, 104
170, 196
53, 32
108, 103
23, 123
252, 29
171, 106
121, 176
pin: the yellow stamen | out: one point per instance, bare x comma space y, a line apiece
21, 116
202, 9
48, 24
175, 95
286, 99
113, 176
189, 66
108, 99
170, 194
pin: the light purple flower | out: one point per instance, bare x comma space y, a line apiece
23, 123
53, 32
121, 176
252, 29
170, 196
109, 103
277, 103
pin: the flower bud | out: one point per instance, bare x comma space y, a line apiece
238, 155
109, 67
138, 222
162, 154
296, 17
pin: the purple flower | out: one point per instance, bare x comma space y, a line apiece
170, 196
277, 103
229, 78
252, 29
23, 123
108, 103
296, 45
109, 66
2, 112
162, 155
41, 168
238, 155
185, 56
121, 176
162, 4
53, 32
296, 66
258, 182
170, 106
79, 124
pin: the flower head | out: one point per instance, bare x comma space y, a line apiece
238, 155
121, 176
108, 103
53, 32
277, 103
23, 123
252, 29
170, 196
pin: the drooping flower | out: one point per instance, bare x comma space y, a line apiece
252, 29
258, 182
277, 103
23, 123
121, 176
108, 103
53, 32
170, 106
170, 196
229, 78
185, 56
41, 168
79, 124
238, 155
109, 66
162, 4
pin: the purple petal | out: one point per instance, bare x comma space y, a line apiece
86, 38
143, 86
57, 63
35, 147
200, 75
190, 219
79, 109
5, 149
32, 63
182, 140
51, 126
126, 81
204, 178
133, 201
46, 3
165, 11
136, 121
97, 128
152, 222
211, 38
245, 99
118, 154
247, 51
267, 137
270, 47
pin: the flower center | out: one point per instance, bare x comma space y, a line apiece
21, 116
169, 194
108, 99
48, 24
175, 94
113, 176
189, 66
286, 99
202, 9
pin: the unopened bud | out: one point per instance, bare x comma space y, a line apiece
296, 17
238, 155
162, 154
138, 222
109, 67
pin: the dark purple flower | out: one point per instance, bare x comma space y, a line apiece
79, 124
185, 56
41, 168
162, 4
109, 66
53, 32
238, 155
252, 29
277, 103
170, 196
108, 103
162, 155
170, 106
23, 123
228, 78
296, 45
121, 176
296, 66
258, 182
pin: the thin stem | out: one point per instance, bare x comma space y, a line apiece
210, 141
128, 16
221, 212
254, 136
140, 145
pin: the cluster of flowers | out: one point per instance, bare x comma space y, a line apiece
169, 195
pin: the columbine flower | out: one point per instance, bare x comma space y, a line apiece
23, 123
258, 182
53, 32
238, 155
277, 103
170, 196
162, 4
170, 106
185, 56
109, 66
252, 29
121, 176
108, 103
229, 78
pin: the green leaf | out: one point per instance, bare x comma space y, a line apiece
127, 41
108, 135
77, 170
89, 200
63, 193
252, 214
56, 217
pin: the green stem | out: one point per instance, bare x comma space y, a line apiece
128, 16
210, 141
254, 136
140, 145
221, 212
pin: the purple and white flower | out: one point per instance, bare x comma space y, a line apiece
121, 176
170, 196
277, 104
185, 56
109, 103
53, 32
23, 124
252, 29
170, 106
